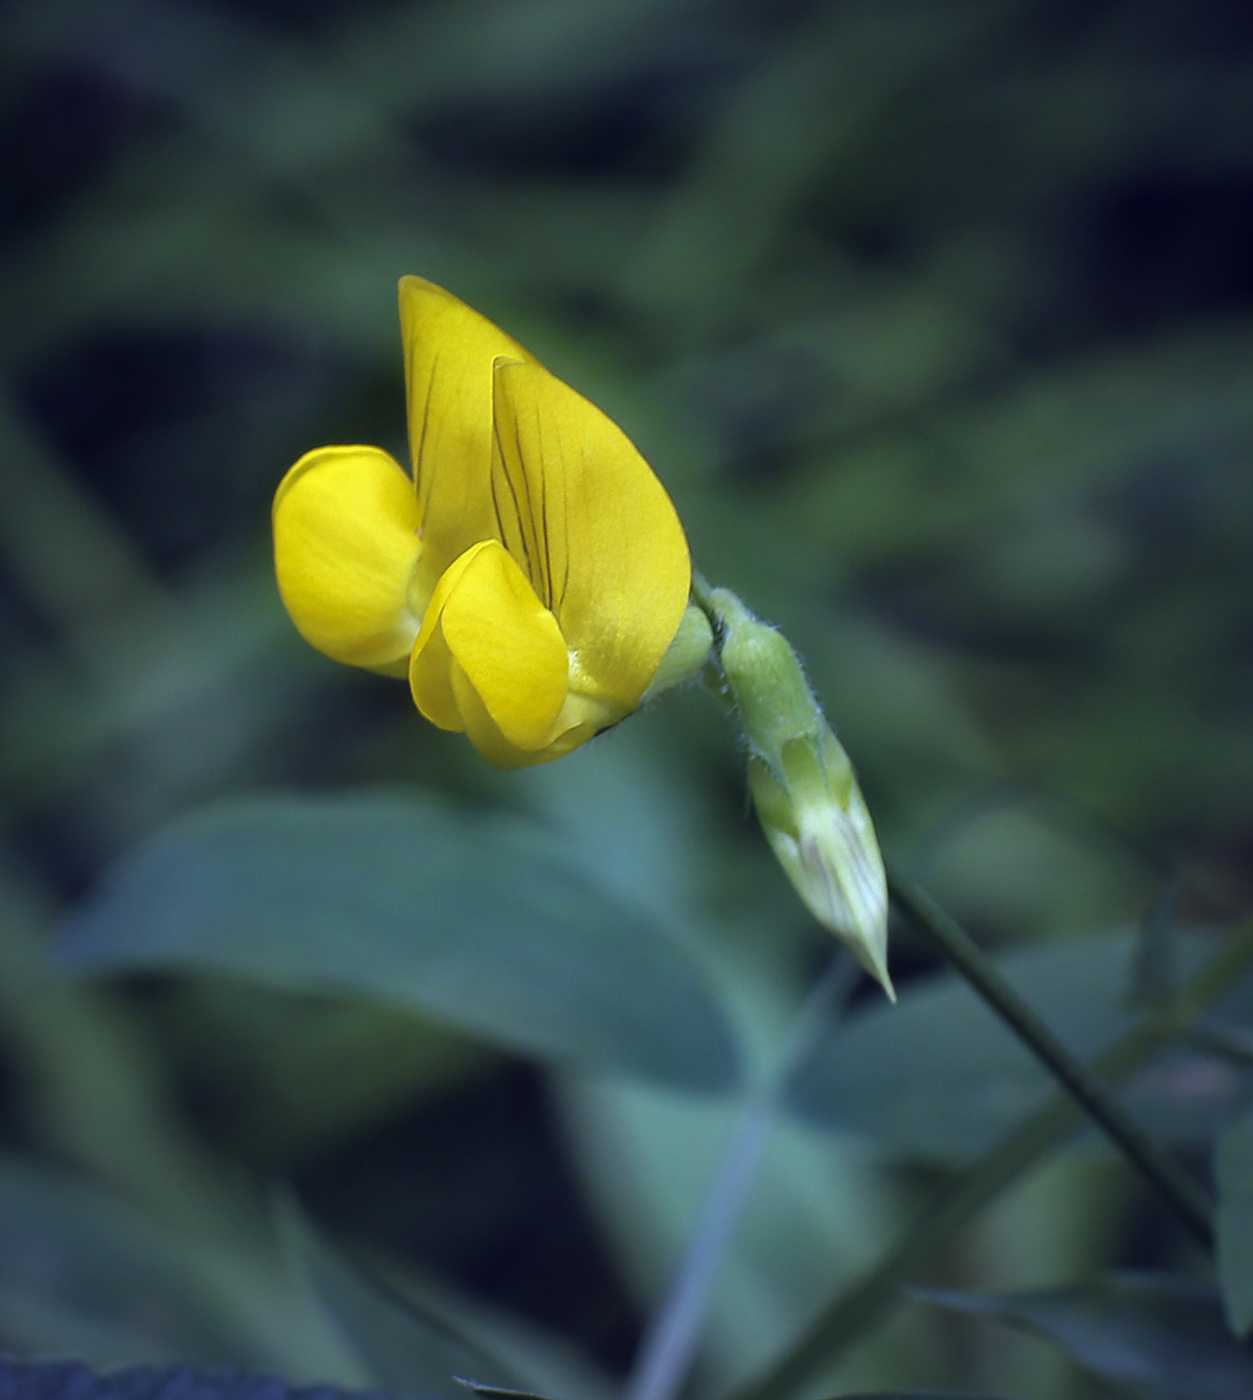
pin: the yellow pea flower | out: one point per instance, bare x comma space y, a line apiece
528, 579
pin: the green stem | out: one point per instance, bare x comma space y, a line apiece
1162, 1172
871, 1298
702, 596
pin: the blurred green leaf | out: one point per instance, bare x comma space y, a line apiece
289, 1077
541, 1361
939, 1075
817, 1217
915, 1395
407, 1349
72, 1380
419, 1335
1161, 1334
499, 1390
481, 921
1233, 1176
83, 1273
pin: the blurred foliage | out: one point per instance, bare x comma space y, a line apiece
1154, 1332
936, 319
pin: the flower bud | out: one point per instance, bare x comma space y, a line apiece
803, 786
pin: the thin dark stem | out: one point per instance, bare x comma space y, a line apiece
869, 1300
1176, 1187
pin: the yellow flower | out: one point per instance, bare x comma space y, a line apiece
530, 577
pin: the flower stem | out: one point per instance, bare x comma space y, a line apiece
868, 1301
1176, 1187
670, 1344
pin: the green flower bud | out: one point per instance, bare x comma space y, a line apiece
803, 785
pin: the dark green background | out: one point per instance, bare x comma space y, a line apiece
934, 316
